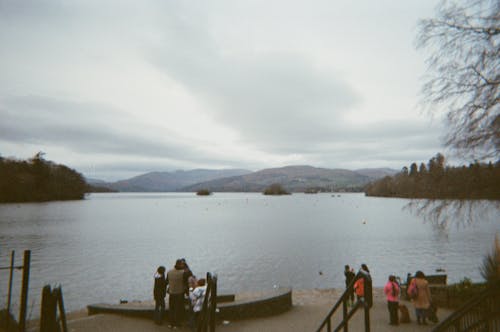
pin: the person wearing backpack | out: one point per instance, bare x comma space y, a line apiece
391, 290
420, 294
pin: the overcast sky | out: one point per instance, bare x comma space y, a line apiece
114, 89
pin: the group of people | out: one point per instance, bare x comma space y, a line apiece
362, 284
183, 288
417, 288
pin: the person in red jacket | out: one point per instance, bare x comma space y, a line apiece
363, 286
359, 288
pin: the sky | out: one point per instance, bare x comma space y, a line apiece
119, 88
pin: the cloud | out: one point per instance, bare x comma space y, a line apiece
276, 99
86, 128
187, 84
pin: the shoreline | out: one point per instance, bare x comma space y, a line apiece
309, 308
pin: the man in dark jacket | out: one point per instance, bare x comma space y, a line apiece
349, 277
159, 293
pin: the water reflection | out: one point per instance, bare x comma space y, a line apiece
461, 213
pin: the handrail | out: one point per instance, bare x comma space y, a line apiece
347, 315
480, 313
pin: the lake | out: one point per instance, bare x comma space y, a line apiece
108, 246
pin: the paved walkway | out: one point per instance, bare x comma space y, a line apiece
309, 309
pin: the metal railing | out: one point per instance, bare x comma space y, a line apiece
346, 313
208, 311
481, 313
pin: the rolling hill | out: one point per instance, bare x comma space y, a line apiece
170, 181
294, 179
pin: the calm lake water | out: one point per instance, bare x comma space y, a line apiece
107, 247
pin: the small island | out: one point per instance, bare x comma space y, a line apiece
203, 192
275, 189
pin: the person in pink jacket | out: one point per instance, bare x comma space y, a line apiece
391, 290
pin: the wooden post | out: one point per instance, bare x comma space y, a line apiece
344, 313
366, 305
204, 313
47, 308
9, 298
367, 318
24, 290
62, 312
213, 308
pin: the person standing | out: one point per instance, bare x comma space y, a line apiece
349, 277
197, 296
159, 293
368, 289
189, 277
391, 290
359, 288
422, 300
176, 282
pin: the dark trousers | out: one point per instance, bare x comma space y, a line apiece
421, 315
351, 295
159, 310
176, 308
195, 320
393, 312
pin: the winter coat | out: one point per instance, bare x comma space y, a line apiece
160, 287
176, 281
423, 300
391, 290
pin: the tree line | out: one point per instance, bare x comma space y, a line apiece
39, 180
435, 180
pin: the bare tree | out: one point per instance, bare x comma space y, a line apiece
464, 73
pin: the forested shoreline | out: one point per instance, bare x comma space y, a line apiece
39, 180
437, 181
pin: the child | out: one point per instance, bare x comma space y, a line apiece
197, 296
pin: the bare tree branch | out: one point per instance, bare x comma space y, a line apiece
464, 73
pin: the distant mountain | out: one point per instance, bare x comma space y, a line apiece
170, 181
292, 178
